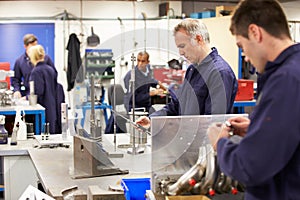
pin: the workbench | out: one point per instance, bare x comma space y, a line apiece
55, 169
18, 169
37, 110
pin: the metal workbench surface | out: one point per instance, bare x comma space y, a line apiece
55, 168
16, 150
22, 107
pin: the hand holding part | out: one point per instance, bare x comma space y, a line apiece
134, 124
17, 95
227, 124
240, 125
160, 91
216, 131
143, 121
156, 92
161, 85
140, 128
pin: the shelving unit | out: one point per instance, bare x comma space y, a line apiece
100, 63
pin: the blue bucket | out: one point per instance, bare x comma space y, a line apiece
135, 188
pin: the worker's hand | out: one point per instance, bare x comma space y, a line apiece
216, 131
240, 125
17, 95
159, 91
23, 98
156, 92
143, 121
161, 86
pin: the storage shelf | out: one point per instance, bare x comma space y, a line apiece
98, 57
100, 65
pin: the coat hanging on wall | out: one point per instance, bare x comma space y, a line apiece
75, 70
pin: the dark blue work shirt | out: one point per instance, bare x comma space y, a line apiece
22, 69
267, 160
142, 89
49, 95
208, 88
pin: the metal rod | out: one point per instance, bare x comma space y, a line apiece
132, 81
92, 118
138, 126
115, 118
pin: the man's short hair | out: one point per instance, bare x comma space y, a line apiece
29, 38
267, 14
193, 27
142, 53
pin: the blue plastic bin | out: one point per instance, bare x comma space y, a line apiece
135, 188
196, 15
208, 14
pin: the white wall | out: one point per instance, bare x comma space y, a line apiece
106, 25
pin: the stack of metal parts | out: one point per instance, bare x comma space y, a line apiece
184, 162
6, 97
204, 178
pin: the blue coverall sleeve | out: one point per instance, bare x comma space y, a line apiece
127, 95
221, 88
126, 81
16, 80
272, 136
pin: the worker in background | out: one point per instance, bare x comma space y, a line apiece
267, 159
23, 67
49, 92
209, 85
143, 82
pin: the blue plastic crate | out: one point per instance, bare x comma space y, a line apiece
196, 15
208, 14
135, 188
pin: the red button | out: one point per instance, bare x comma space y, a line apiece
192, 182
234, 191
211, 192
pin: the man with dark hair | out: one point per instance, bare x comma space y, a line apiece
23, 68
267, 158
143, 81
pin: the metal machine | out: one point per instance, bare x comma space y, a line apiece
90, 158
6, 95
183, 160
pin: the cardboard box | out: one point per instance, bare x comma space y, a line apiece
226, 8
245, 90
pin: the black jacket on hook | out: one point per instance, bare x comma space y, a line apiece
74, 60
